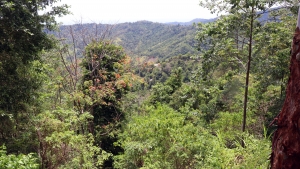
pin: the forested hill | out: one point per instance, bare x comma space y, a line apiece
143, 38
155, 39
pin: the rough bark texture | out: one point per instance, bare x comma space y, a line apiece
286, 139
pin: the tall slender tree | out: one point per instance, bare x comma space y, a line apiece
233, 33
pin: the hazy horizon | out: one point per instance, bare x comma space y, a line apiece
121, 11
134, 22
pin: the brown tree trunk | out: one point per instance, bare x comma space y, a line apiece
286, 139
248, 73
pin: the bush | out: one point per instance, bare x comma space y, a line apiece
21, 161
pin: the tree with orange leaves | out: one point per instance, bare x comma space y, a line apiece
105, 83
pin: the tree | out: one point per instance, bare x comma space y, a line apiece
162, 92
63, 125
22, 38
274, 43
106, 79
61, 146
285, 144
234, 33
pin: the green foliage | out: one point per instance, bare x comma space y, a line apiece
21, 161
22, 34
155, 39
242, 40
275, 42
230, 141
221, 51
160, 139
22, 39
162, 92
255, 154
70, 106
154, 70
215, 96
60, 144
106, 79
18, 105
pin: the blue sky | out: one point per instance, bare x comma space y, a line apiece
118, 11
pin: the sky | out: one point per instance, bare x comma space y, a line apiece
119, 11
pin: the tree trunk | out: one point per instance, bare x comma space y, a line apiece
286, 139
248, 73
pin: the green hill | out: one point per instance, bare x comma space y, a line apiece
141, 38
156, 39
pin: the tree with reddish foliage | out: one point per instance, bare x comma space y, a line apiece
105, 81
286, 140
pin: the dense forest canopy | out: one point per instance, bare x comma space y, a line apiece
142, 94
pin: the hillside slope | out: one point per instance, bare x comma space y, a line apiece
141, 38
155, 39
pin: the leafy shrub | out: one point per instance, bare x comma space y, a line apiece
162, 138
21, 161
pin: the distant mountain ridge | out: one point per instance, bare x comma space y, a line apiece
197, 20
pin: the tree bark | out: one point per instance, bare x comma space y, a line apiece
286, 139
